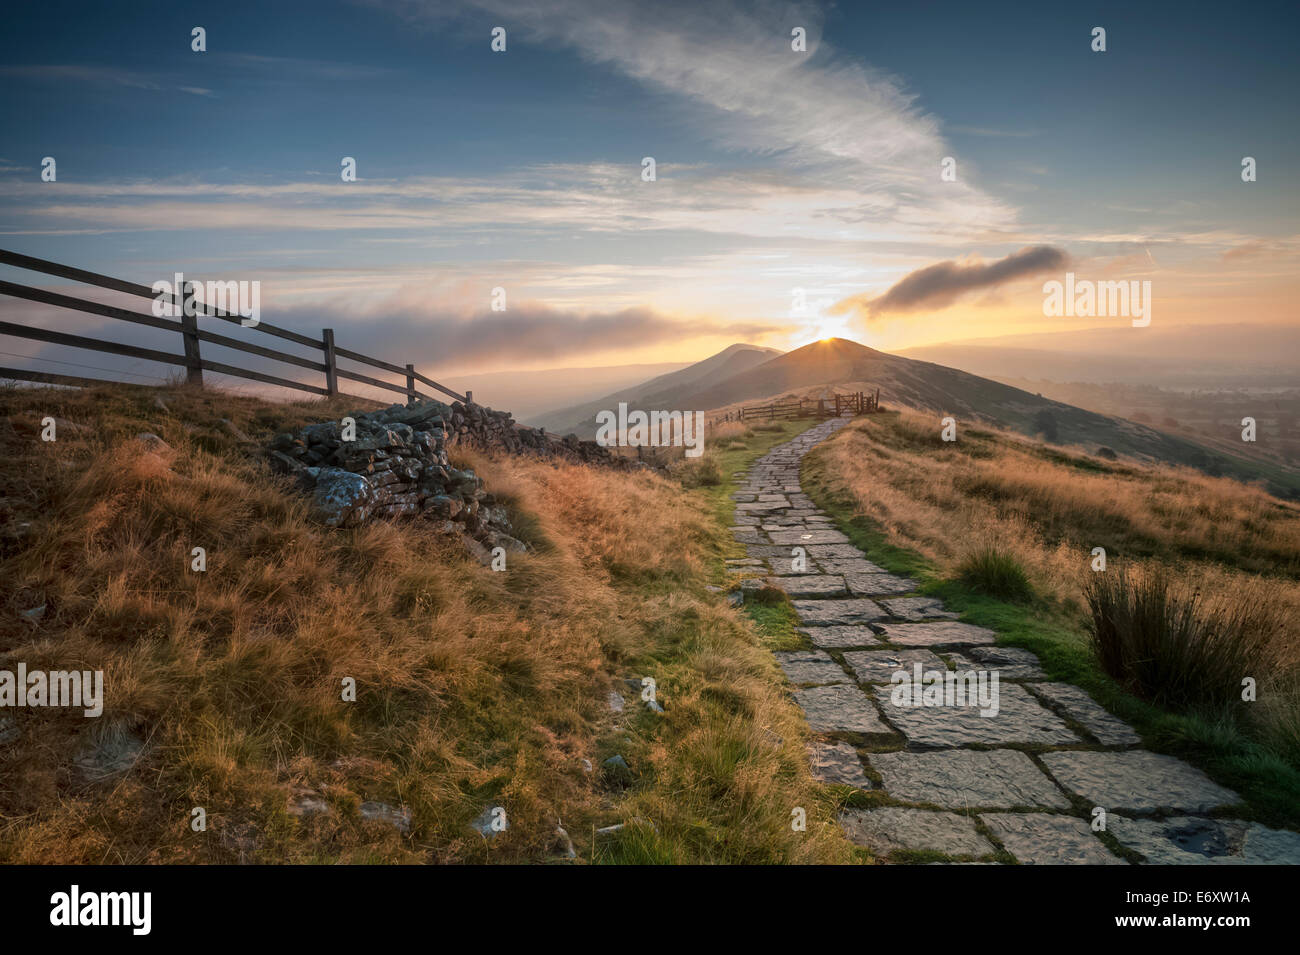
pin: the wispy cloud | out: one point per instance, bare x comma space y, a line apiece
597, 197
733, 64
939, 285
527, 333
97, 76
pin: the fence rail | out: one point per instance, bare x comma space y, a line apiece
191, 336
857, 402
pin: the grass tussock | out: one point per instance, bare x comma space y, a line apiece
1166, 643
474, 689
990, 570
706, 470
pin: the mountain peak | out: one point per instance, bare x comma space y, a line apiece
745, 346
836, 346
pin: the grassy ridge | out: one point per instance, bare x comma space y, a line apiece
474, 689
857, 477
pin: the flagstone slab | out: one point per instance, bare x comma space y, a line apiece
1039, 838
916, 609
1188, 840
767, 551
835, 551
1109, 729
895, 827
808, 585
873, 584
748, 535
842, 708
964, 779
807, 537
837, 763
940, 633
1137, 780
841, 636
850, 565
1019, 719
784, 567
757, 507
1011, 663
878, 666
811, 666
825, 613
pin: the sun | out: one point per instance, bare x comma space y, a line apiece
824, 328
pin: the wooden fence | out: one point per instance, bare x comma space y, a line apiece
836, 405
191, 337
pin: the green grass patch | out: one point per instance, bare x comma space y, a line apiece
776, 625
737, 454
996, 573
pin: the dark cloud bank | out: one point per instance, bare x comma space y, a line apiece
941, 284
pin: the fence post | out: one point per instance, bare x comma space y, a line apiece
469, 397
410, 385
331, 363
190, 335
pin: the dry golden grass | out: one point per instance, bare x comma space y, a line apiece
475, 688
1231, 544
1050, 508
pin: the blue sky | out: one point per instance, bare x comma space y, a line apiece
776, 169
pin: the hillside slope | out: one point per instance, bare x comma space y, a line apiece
659, 392
533, 394
971, 518
937, 389
224, 686
1235, 355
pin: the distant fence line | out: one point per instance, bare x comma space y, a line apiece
857, 402
191, 336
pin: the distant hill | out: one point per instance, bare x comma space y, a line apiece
529, 394
926, 386
662, 392
1240, 355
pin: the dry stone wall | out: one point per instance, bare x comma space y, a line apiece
395, 464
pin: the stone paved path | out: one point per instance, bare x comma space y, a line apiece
956, 779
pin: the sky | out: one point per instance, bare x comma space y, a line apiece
797, 194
